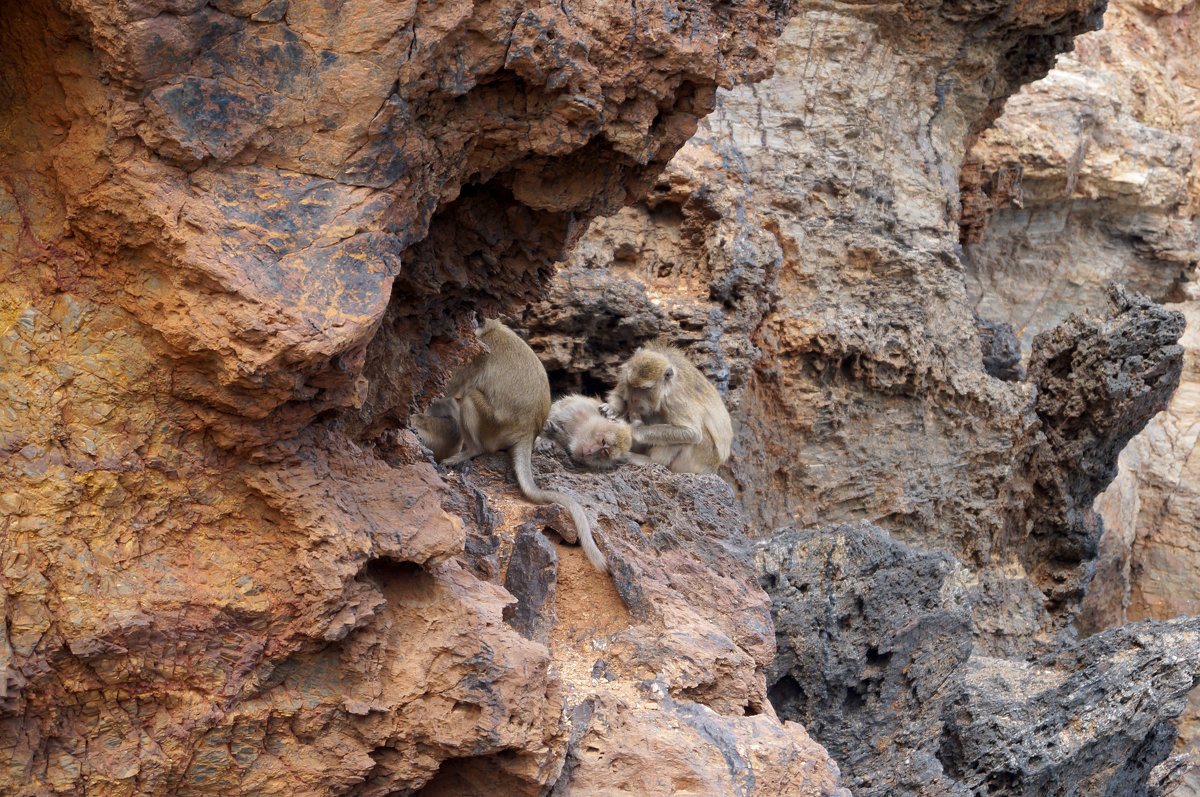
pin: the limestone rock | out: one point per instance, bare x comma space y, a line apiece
1093, 719
1099, 383
662, 661
875, 656
1090, 175
804, 249
239, 242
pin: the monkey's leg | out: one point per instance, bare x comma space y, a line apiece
473, 413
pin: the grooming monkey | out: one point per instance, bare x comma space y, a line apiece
678, 417
500, 401
589, 431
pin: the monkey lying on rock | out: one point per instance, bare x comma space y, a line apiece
589, 431
498, 401
679, 419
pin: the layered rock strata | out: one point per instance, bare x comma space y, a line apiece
1090, 175
875, 658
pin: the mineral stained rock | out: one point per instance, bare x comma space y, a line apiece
662, 661
876, 659
239, 239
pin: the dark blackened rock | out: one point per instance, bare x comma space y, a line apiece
1099, 380
875, 659
1001, 349
872, 637
1093, 720
532, 579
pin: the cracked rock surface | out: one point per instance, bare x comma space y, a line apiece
876, 659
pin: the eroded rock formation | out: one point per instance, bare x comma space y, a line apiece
1090, 175
804, 247
1107, 192
876, 660
241, 242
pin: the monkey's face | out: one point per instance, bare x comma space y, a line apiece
644, 401
610, 440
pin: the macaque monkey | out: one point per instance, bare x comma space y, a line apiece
589, 431
678, 417
500, 401
439, 428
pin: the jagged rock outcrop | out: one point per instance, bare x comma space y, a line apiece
1092, 176
1150, 550
876, 659
240, 239
1099, 382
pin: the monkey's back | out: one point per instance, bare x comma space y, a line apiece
514, 382
715, 420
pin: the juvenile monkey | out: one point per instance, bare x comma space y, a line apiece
589, 431
439, 428
678, 416
500, 401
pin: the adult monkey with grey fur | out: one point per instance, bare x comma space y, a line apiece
679, 418
500, 401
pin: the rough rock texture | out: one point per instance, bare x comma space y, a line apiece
875, 658
1091, 174
804, 248
1150, 551
873, 638
662, 661
239, 237
1098, 385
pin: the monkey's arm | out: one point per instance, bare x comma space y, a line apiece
666, 434
615, 404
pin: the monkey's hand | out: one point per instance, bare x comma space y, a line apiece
666, 434
607, 411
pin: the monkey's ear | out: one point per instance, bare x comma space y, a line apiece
669, 373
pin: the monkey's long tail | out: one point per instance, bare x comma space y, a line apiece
522, 454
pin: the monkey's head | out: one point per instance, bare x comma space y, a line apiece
606, 444
649, 377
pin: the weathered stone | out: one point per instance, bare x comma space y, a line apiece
804, 249
873, 636
875, 657
532, 578
1001, 349
1099, 382
238, 241
1093, 719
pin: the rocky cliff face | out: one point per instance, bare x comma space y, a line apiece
804, 246
1112, 195
809, 263
242, 240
